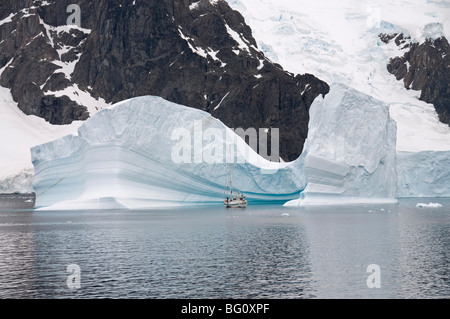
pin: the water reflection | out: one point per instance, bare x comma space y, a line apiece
424, 258
17, 264
344, 242
268, 260
259, 252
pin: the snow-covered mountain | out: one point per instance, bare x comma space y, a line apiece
381, 55
339, 41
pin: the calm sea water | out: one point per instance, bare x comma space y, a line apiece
257, 252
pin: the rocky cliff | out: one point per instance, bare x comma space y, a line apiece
197, 53
424, 67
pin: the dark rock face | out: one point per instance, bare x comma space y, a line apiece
424, 67
28, 55
196, 53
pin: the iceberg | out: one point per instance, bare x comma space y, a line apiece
147, 152
432, 205
350, 154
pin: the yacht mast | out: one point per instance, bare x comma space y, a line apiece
231, 185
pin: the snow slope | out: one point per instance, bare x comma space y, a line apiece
19, 132
147, 152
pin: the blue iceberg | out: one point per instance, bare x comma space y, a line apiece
147, 152
350, 154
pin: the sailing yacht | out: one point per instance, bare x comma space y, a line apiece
231, 201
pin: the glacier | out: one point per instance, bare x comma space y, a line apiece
132, 155
423, 174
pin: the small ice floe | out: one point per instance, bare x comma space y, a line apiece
285, 215
422, 205
232, 216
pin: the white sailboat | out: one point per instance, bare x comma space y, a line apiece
239, 200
